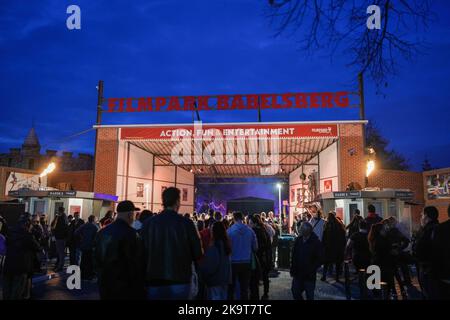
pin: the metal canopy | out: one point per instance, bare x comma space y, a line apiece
293, 153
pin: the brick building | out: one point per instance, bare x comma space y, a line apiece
29, 156
134, 162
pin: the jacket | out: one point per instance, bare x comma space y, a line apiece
371, 219
171, 245
441, 249
423, 244
86, 235
243, 243
215, 267
21, 249
307, 256
72, 238
318, 225
333, 241
118, 261
264, 252
60, 228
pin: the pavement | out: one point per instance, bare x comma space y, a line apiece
52, 286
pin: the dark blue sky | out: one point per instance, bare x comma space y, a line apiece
168, 47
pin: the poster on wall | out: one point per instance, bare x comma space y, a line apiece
139, 190
184, 194
328, 185
438, 186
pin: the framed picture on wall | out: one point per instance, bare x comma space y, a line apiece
139, 190
328, 185
184, 194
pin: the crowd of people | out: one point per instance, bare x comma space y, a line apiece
134, 254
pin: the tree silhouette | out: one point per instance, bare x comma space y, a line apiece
386, 158
340, 25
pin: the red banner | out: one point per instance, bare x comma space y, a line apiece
231, 131
230, 102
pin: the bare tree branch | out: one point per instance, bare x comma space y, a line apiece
340, 25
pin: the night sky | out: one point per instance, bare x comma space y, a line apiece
160, 48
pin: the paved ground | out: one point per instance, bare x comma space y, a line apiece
56, 289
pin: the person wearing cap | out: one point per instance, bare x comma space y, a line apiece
171, 246
316, 221
118, 257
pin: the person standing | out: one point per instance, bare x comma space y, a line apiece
171, 246
215, 267
45, 243
22, 248
353, 226
334, 245
243, 246
316, 221
372, 217
441, 250
263, 256
118, 257
358, 247
86, 233
423, 252
59, 230
72, 240
307, 256
381, 248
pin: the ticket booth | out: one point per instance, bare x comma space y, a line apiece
387, 203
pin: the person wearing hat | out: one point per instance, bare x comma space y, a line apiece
118, 258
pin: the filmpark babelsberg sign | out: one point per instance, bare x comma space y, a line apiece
231, 102
228, 141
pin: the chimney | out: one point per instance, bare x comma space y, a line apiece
67, 154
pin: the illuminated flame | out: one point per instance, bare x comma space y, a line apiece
370, 167
48, 170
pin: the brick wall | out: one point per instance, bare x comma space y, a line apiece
78, 180
351, 154
397, 179
106, 158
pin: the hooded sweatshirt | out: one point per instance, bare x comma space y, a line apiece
243, 242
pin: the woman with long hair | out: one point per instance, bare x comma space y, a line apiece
263, 259
353, 226
215, 267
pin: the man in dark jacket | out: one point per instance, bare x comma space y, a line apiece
423, 251
118, 253
441, 261
307, 256
72, 239
86, 233
59, 231
18, 268
171, 245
